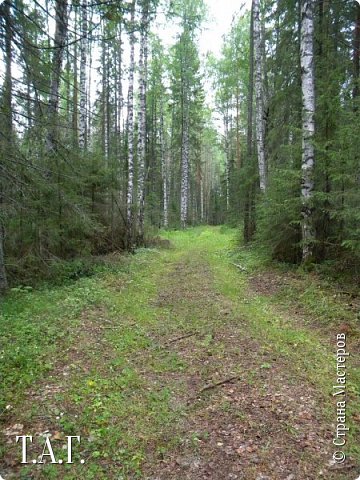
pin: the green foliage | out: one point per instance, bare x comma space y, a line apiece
72, 270
335, 202
278, 217
230, 76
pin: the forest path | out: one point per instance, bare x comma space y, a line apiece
174, 369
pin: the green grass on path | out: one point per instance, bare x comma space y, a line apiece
99, 350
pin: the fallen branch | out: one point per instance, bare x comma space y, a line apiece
111, 327
218, 384
181, 338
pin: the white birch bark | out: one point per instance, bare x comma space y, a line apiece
83, 52
227, 154
185, 147
142, 116
185, 167
164, 170
202, 199
105, 86
90, 57
119, 90
75, 116
248, 211
308, 123
259, 97
130, 126
120, 105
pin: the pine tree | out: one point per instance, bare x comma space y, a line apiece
7, 137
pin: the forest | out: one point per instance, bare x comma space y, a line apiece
174, 192
108, 135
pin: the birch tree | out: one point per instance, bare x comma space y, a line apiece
130, 129
185, 85
105, 59
75, 115
164, 169
119, 90
259, 96
143, 60
83, 54
308, 125
248, 213
227, 155
185, 91
184, 201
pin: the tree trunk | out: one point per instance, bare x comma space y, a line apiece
75, 116
142, 116
184, 193
164, 170
3, 278
119, 92
89, 82
185, 167
238, 146
356, 55
308, 124
249, 226
83, 52
59, 42
68, 91
8, 130
105, 99
227, 155
250, 99
130, 122
260, 123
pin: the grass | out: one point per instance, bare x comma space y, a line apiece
34, 328
103, 340
38, 326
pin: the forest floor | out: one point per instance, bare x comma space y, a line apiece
191, 362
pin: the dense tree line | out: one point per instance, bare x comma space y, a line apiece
103, 129
295, 184
106, 135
